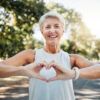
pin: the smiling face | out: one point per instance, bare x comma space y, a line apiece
52, 30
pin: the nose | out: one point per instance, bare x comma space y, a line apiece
52, 29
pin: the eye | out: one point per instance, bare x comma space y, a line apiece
57, 26
48, 27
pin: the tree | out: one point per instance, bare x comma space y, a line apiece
96, 50
25, 13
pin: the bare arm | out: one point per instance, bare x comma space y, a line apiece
30, 70
92, 72
11, 65
14, 71
8, 70
22, 58
80, 61
87, 69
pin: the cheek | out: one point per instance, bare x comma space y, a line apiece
44, 34
61, 32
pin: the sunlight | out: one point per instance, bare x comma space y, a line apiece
89, 10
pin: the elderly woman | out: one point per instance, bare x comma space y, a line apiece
48, 64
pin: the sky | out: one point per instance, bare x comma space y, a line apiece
89, 10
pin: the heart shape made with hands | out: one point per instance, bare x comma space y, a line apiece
48, 73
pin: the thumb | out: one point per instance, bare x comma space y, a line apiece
38, 76
41, 78
53, 79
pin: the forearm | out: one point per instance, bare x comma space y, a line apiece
30, 66
8, 70
92, 72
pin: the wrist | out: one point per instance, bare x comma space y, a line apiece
72, 74
76, 73
27, 72
19, 71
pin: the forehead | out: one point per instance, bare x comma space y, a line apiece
51, 20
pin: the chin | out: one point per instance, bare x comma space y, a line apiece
53, 42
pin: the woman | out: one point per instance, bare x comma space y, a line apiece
49, 59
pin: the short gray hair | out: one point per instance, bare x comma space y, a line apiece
51, 14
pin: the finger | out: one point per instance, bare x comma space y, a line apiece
53, 79
56, 68
43, 63
35, 75
60, 69
41, 78
58, 77
51, 64
48, 66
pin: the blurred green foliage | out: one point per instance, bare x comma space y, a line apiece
13, 38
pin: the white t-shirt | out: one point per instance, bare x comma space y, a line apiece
56, 90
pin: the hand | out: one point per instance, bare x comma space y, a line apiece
61, 73
33, 70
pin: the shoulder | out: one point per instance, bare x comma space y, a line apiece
76, 59
28, 55
74, 56
28, 52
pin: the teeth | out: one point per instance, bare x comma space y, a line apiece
52, 36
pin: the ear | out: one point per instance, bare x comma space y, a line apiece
63, 30
41, 29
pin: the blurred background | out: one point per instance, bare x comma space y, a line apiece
19, 30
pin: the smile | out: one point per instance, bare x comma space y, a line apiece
52, 36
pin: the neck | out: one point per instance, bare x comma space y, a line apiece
52, 48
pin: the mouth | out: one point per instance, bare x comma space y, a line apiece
52, 36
